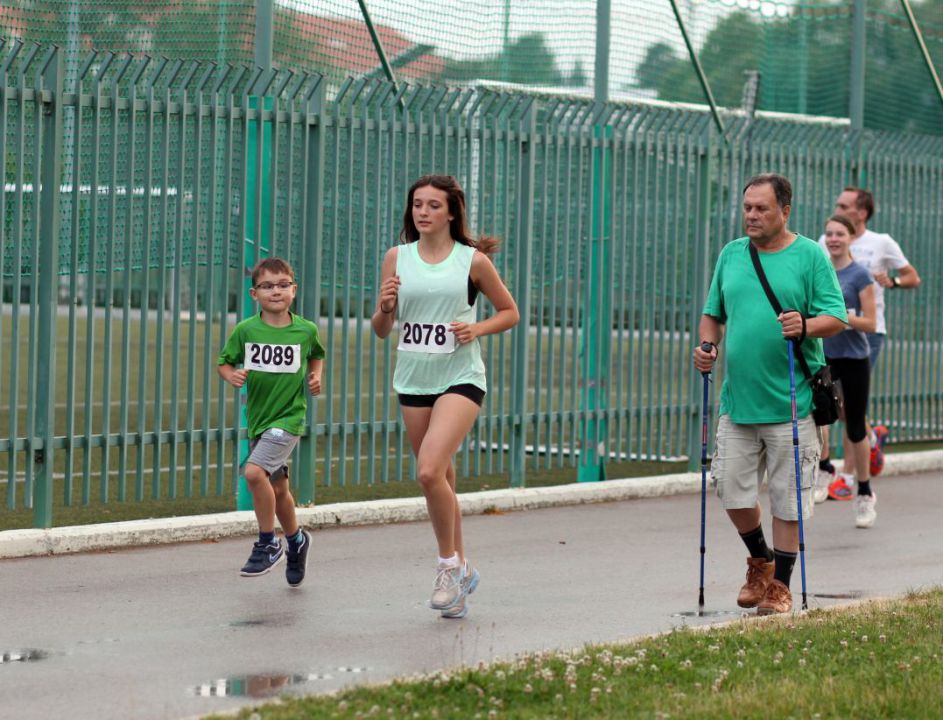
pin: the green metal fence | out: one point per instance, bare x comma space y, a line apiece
124, 247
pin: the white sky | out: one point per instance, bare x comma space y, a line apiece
470, 28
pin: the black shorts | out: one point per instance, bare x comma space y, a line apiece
472, 392
854, 374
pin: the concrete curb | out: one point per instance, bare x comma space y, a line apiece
110, 536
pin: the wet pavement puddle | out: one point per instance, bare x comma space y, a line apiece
708, 613
254, 686
849, 595
264, 685
27, 655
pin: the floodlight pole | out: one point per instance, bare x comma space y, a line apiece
258, 228
923, 47
701, 76
381, 53
858, 49
603, 35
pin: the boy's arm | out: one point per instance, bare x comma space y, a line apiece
234, 376
315, 366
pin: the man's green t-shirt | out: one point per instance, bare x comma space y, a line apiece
277, 359
756, 387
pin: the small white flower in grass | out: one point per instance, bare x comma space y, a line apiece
718, 681
686, 663
528, 688
492, 713
499, 675
572, 687
801, 662
741, 653
714, 648
882, 638
558, 699
342, 706
739, 663
864, 638
594, 695
843, 643
653, 667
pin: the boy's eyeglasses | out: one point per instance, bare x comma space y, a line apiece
266, 286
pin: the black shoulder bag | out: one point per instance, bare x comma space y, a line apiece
827, 401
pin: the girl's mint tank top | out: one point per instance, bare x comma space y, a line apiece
432, 296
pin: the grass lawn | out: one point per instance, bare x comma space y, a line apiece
880, 659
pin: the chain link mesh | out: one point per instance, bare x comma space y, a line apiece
801, 50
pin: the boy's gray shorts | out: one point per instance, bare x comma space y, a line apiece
745, 453
271, 450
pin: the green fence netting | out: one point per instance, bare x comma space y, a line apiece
802, 50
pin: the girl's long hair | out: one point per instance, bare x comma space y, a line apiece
458, 227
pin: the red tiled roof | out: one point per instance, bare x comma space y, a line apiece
347, 45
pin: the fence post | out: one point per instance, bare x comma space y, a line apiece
310, 305
523, 254
51, 78
596, 340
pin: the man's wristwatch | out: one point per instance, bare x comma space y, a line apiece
895, 281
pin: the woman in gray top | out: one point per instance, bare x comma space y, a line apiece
847, 355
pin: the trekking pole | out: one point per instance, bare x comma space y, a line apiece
705, 347
795, 451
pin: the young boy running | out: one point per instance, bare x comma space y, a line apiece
279, 353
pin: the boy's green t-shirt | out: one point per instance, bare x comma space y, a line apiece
277, 358
756, 387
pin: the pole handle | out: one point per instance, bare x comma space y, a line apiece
706, 347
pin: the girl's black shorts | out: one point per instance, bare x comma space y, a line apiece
472, 392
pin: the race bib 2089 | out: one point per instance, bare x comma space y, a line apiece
426, 337
264, 357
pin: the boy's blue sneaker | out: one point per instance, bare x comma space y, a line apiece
297, 561
263, 558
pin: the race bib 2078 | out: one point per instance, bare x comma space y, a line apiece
426, 337
265, 357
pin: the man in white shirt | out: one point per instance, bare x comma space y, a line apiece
879, 253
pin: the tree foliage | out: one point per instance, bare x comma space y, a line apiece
804, 61
527, 61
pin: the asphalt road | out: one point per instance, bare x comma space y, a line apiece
174, 632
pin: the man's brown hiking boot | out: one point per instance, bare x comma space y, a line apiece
777, 599
759, 574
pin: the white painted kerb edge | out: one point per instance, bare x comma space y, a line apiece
118, 535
